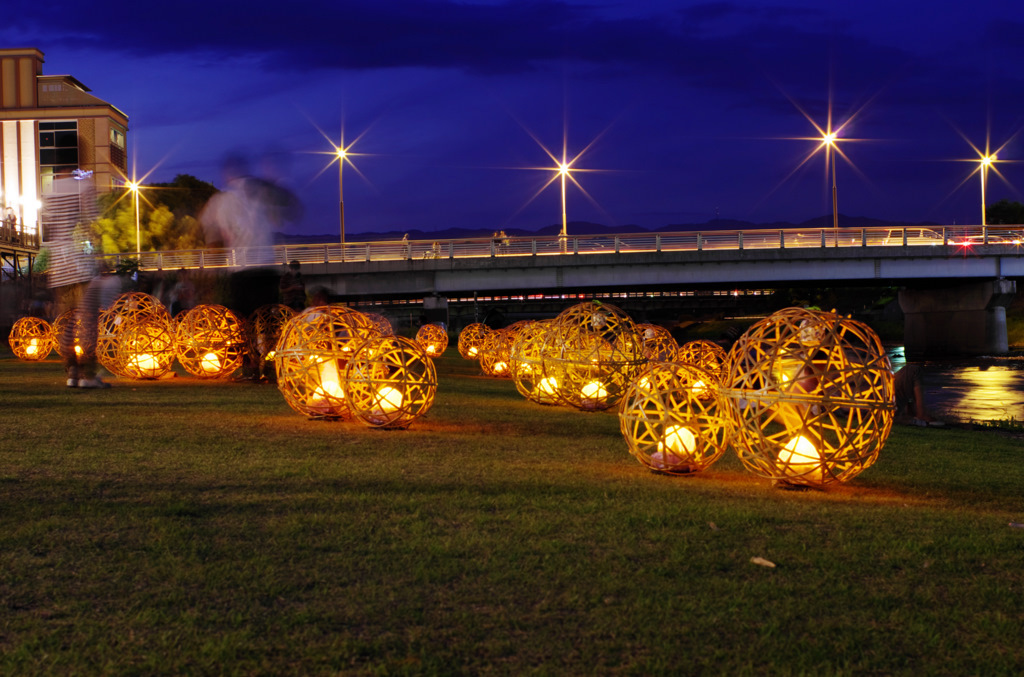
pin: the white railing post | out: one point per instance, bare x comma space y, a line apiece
533, 246
616, 244
657, 243
782, 239
822, 238
739, 238
700, 242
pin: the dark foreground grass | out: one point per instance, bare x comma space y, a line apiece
186, 527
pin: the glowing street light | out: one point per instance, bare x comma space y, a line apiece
829, 140
133, 188
986, 162
341, 153
563, 172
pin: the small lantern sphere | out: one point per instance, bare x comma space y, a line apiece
382, 324
390, 382
810, 397
593, 351
66, 331
706, 355
471, 340
659, 344
210, 341
433, 338
311, 355
527, 360
126, 310
31, 339
496, 353
673, 418
263, 329
145, 348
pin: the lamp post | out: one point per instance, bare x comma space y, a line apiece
133, 186
829, 140
341, 196
986, 162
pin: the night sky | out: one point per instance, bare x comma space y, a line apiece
692, 110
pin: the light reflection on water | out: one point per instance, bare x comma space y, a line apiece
981, 389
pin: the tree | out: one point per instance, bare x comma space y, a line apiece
1004, 212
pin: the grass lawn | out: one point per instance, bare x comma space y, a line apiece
189, 527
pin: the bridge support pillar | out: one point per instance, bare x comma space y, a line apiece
962, 319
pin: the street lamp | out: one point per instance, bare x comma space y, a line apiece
986, 162
563, 171
133, 187
342, 153
829, 141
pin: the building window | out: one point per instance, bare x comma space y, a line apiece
58, 150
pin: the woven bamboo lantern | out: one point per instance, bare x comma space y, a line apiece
659, 344
210, 341
31, 339
706, 355
312, 352
673, 418
128, 310
60, 329
145, 348
496, 353
527, 360
810, 397
382, 324
471, 340
433, 338
390, 382
593, 351
263, 329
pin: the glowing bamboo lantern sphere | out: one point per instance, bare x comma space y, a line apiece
667, 425
31, 339
390, 382
145, 348
659, 344
471, 340
210, 341
128, 310
527, 360
496, 353
312, 352
705, 354
433, 338
263, 329
382, 324
810, 397
593, 351
68, 325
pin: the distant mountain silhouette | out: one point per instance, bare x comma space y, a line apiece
588, 228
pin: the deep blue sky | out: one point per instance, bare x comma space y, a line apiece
694, 108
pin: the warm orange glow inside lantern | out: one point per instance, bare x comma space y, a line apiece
31, 339
810, 397
390, 382
658, 343
706, 355
210, 341
433, 338
669, 427
135, 323
313, 350
389, 400
471, 340
496, 353
65, 334
263, 329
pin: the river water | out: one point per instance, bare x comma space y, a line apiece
979, 389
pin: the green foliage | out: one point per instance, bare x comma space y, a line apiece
1004, 212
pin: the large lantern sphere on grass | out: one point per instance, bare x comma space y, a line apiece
390, 382
810, 397
659, 344
145, 348
210, 341
496, 353
706, 355
593, 351
673, 418
312, 352
31, 339
382, 324
126, 311
528, 364
433, 338
471, 340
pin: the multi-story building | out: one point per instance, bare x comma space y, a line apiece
59, 146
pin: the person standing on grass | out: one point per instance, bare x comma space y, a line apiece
83, 330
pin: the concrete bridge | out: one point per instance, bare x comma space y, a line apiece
956, 280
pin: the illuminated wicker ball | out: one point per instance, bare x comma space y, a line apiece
593, 351
471, 340
126, 310
810, 397
659, 344
382, 324
31, 339
210, 341
706, 355
527, 361
496, 353
390, 382
312, 352
145, 348
433, 338
263, 329
60, 328
673, 417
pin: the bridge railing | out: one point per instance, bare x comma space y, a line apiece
582, 245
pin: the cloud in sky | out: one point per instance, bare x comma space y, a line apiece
690, 103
